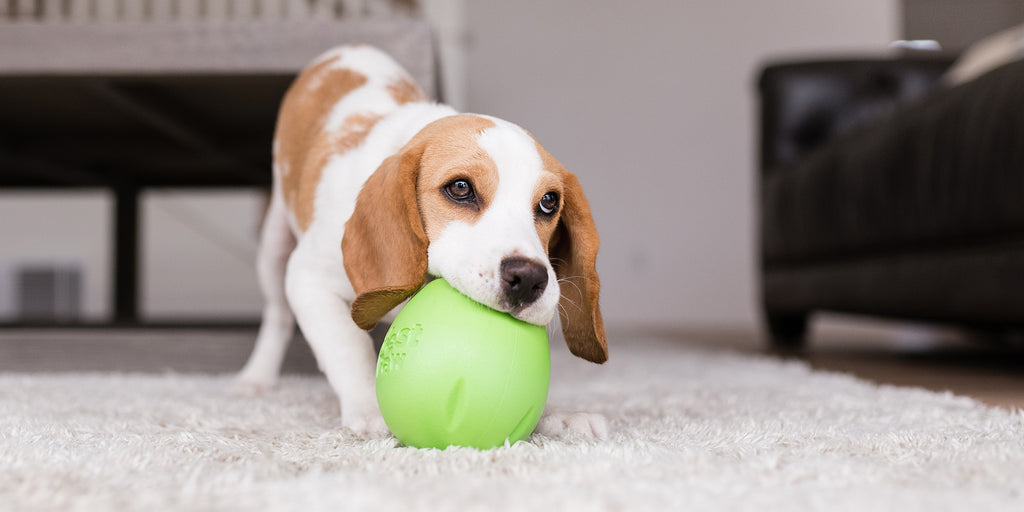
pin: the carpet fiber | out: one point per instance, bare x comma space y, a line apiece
690, 429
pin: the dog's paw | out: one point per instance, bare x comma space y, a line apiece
247, 386
590, 425
366, 426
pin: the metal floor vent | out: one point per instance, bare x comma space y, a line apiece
49, 293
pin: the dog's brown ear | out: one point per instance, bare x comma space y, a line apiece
573, 254
384, 245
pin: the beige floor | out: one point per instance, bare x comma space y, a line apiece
919, 356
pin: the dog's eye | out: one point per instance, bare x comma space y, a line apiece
548, 204
460, 191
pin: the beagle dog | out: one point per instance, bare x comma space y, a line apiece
376, 190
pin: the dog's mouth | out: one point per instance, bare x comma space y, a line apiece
514, 308
537, 312
490, 292
516, 311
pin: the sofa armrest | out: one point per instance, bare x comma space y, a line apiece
805, 103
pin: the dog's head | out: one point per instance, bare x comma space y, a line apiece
478, 202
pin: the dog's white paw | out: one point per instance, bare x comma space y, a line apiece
594, 426
366, 425
247, 386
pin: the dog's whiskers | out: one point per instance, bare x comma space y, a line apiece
570, 301
564, 312
570, 281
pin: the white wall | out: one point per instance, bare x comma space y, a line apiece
651, 103
199, 253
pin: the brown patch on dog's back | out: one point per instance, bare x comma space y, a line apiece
355, 129
352, 133
301, 154
405, 91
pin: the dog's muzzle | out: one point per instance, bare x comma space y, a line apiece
523, 281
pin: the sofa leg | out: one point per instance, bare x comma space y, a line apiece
787, 331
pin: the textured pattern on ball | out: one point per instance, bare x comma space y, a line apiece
454, 372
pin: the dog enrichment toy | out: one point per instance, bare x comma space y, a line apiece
453, 372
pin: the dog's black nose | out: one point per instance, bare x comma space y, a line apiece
523, 279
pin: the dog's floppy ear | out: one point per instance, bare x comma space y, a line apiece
384, 245
573, 254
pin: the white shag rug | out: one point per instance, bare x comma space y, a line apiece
690, 430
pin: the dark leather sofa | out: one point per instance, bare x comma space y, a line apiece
886, 192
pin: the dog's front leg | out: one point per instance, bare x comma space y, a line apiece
344, 351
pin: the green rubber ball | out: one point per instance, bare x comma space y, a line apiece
453, 372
